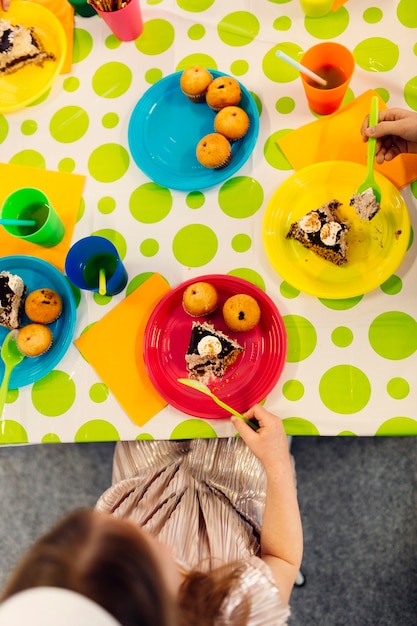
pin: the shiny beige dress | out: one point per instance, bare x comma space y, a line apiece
205, 499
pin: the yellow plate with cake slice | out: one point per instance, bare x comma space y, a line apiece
376, 248
30, 82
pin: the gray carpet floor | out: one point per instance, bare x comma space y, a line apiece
358, 503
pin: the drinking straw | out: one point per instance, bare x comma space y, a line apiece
300, 68
102, 287
6, 222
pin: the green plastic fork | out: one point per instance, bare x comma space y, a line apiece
370, 178
195, 384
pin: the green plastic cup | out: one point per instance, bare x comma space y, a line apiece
29, 203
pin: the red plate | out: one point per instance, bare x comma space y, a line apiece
247, 381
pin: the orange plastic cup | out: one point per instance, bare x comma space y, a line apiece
125, 23
336, 64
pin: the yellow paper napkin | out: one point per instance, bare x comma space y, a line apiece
113, 347
65, 14
337, 137
64, 191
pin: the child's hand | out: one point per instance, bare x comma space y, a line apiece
396, 133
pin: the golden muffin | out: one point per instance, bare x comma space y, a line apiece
200, 298
232, 122
43, 306
214, 151
34, 339
194, 82
222, 92
241, 312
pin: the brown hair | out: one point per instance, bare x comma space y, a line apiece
114, 569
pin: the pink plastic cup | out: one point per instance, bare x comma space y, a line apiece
125, 23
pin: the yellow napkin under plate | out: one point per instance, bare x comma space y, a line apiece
337, 137
113, 347
64, 191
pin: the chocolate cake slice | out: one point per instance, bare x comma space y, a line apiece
323, 233
19, 47
365, 204
210, 352
12, 294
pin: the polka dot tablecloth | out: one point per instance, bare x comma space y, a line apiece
351, 364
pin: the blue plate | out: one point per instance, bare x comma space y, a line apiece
165, 128
37, 274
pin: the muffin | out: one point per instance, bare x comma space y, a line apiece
232, 122
214, 151
194, 82
241, 312
222, 92
200, 298
34, 339
43, 306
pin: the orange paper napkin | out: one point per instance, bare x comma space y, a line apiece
65, 14
113, 347
64, 190
337, 4
337, 137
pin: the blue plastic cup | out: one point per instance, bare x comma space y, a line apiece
87, 257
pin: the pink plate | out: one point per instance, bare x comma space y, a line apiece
247, 381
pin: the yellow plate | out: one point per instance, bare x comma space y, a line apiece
30, 83
375, 248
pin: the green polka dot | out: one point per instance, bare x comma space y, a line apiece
278, 70
239, 28
110, 120
145, 437
393, 335
392, 286
241, 197
31, 158
273, 153
195, 245
346, 433
108, 162
285, 105
82, 46
383, 93
379, 50
341, 305
398, 426
241, 243
157, 37
4, 128
51, 438
69, 124
407, 14
112, 42
96, 430
101, 300
149, 247
239, 67
99, 392
398, 388
106, 205
329, 26
282, 23
198, 58
29, 127
138, 280
81, 209
345, 389
40, 99
293, 390
71, 84
288, 291
410, 93
250, 275
196, 32
373, 15
342, 337
150, 203
302, 338
195, 199
66, 165
193, 429
54, 394
153, 75
12, 432
115, 237
299, 426
12, 395
112, 80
